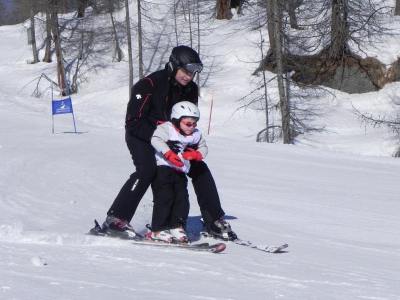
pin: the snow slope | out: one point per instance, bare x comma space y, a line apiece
335, 203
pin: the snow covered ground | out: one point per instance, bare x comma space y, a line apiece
334, 198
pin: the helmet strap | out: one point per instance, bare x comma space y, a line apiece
171, 71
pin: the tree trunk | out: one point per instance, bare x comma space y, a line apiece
339, 29
190, 25
271, 24
128, 35
223, 10
198, 42
397, 9
291, 9
397, 153
237, 4
118, 51
81, 8
265, 95
176, 3
74, 83
47, 54
265, 131
58, 49
33, 35
140, 40
283, 101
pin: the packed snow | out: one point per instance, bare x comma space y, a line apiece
333, 196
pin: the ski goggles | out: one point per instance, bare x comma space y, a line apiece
189, 124
194, 67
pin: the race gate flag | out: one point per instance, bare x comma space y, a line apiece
63, 106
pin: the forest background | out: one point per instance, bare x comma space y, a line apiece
311, 47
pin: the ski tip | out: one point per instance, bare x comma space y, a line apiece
219, 248
280, 248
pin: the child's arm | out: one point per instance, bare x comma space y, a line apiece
160, 138
159, 142
202, 147
196, 152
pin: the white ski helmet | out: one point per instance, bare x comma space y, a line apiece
185, 109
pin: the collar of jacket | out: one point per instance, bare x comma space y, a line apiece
181, 89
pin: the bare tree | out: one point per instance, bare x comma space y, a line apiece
33, 33
223, 10
118, 51
48, 40
271, 30
140, 39
339, 29
264, 134
129, 37
176, 3
198, 39
393, 124
397, 9
290, 7
190, 24
82, 4
57, 45
283, 97
238, 5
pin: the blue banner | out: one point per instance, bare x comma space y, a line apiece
62, 106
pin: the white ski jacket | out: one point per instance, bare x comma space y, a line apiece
167, 137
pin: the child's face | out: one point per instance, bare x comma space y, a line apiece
188, 124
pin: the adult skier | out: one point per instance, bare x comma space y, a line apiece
151, 102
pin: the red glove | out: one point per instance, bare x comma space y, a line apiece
172, 157
191, 154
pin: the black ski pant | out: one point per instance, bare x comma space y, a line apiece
171, 199
128, 198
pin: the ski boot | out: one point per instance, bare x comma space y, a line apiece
220, 229
180, 234
116, 227
162, 235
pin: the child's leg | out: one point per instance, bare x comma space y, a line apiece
180, 209
163, 198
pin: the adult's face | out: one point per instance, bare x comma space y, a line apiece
183, 76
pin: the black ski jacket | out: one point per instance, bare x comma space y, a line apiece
151, 102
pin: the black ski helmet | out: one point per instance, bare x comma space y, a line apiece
186, 58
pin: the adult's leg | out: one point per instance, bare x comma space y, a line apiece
128, 198
163, 198
206, 192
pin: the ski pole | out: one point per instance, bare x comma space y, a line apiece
209, 120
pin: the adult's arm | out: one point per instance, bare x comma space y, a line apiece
137, 121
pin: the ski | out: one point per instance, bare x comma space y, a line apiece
203, 247
269, 249
140, 240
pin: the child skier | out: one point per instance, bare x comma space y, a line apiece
177, 143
